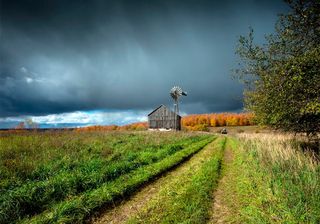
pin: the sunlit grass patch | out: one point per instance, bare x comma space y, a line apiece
79, 207
274, 182
188, 198
65, 165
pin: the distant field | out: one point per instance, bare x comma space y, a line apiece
240, 129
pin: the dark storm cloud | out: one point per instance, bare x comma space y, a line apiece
60, 56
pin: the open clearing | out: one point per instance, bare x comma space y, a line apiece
143, 177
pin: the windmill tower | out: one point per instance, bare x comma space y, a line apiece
175, 93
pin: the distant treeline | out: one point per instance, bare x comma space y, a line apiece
138, 126
194, 122
201, 122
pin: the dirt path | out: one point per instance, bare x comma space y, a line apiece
220, 210
130, 208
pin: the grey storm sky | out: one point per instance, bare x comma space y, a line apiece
63, 56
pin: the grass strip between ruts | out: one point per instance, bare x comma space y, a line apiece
191, 202
193, 206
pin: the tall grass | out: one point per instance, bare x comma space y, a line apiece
282, 148
40, 170
77, 208
38, 156
275, 181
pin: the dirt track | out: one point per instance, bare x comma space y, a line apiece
131, 207
220, 209
177, 178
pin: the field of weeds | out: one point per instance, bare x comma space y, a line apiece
273, 180
63, 177
157, 177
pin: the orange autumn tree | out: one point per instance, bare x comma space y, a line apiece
201, 122
138, 126
194, 122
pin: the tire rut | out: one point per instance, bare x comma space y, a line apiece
220, 210
123, 211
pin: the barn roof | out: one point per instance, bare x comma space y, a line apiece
156, 109
159, 108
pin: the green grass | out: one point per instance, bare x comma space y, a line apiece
190, 200
65, 177
77, 208
72, 171
273, 182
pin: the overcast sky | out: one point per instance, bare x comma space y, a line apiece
77, 62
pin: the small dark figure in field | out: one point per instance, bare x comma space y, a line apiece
224, 131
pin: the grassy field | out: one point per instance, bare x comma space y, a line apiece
273, 180
188, 199
66, 177
46, 176
233, 130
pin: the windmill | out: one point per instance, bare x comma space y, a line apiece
175, 93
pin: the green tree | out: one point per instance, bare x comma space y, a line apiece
282, 77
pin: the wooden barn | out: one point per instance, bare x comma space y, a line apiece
164, 118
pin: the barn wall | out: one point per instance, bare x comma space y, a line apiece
164, 118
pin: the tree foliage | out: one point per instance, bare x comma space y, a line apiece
201, 122
137, 126
193, 122
282, 77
